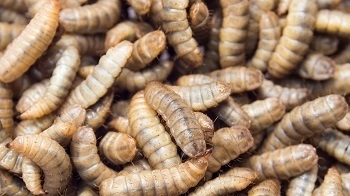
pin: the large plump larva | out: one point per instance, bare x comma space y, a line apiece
86, 159
136, 167
97, 83
266, 187
150, 134
60, 84
303, 184
306, 121
332, 183
60, 132
269, 34
283, 163
50, 156
199, 20
172, 181
316, 66
8, 33
95, 18
34, 126
141, 7
10, 160
31, 175
11, 185
17, 5
120, 124
344, 124
31, 43
325, 44
179, 33
295, 40
333, 22
236, 179
6, 109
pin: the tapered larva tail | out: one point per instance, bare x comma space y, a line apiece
11, 185
31, 174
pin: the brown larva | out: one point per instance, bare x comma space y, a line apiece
6, 108
266, 187
31, 175
11, 185
34, 126
141, 7
155, 13
199, 21
303, 184
332, 183
325, 44
136, 167
333, 22
316, 66
344, 124
8, 33
17, 5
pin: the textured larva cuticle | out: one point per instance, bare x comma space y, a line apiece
120, 124
199, 21
332, 183
34, 126
333, 22
141, 7
10, 160
344, 124
266, 187
316, 66
303, 184
31, 175
135, 167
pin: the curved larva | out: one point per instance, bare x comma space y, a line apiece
266, 187
50, 156
10, 160
60, 132
11, 185
306, 121
34, 126
31, 43
179, 118
86, 44
118, 148
6, 108
120, 124
258, 139
86, 159
97, 83
295, 40
204, 96
60, 84
17, 5
233, 32
303, 184
228, 144
95, 18
283, 163
20, 85
332, 183
150, 134
173, 181
236, 179
325, 44
179, 33
8, 32
141, 7
344, 124
333, 22
264, 113
73, 114
145, 49
134, 81
199, 21
136, 167
207, 126
316, 66
290, 97
35, 5
31, 175
269, 34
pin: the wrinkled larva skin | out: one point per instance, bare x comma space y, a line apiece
141, 7
266, 187
136, 167
31, 175
303, 184
333, 22
194, 79
35, 5
11, 185
31, 43
120, 124
6, 108
34, 126
97, 114
8, 33
332, 183
199, 18
316, 66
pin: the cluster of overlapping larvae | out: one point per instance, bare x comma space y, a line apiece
171, 97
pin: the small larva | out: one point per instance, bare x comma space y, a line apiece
303, 184
31, 175
266, 187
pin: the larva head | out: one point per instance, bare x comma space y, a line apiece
156, 41
338, 106
305, 156
201, 163
17, 144
74, 114
84, 135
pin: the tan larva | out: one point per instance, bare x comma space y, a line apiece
150, 134
179, 33
11, 185
120, 124
31, 43
141, 7
346, 183
295, 40
264, 113
343, 56
233, 32
6, 108
344, 124
60, 132
10, 160
283, 6
8, 33
35, 5
306, 121
266, 187
86, 159
17, 5
269, 34
303, 184
283, 163
155, 13
34, 126
207, 126
194, 79
50, 156
97, 83
258, 139
332, 184
60, 84
31, 175
333, 22
239, 78
118, 148
325, 44
199, 21
86, 44
236, 179
158, 182
136, 167
290, 97
20, 85
86, 190
228, 144
316, 66
179, 118
95, 18
134, 81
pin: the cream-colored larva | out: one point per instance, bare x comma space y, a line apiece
316, 66
194, 79
303, 184
31, 175
266, 187
6, 109
344, 124
8, 33
333, 22
199, 18
11, 185
10, 160
35, 5
283, 6
120, 124
136, 167
34, 126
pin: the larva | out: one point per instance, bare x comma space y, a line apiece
86, 160
6, 108
204, 96
283, 163
295, 40
158, 182
95, 18
135, 167
207, 126
306, 121
134, 81
11, 185
31, 175
236, 179
49, 156
97, 83
228, 144
199, 21
327, 4
141, 7
120, 124
31, 43
34, 126
239, 78
84, 71
17, 5
179, 33
179, 118
290, 97
332, 183
150, 134
316, 66
60, 84
60, 132
233, 32
8, 33
126, 30
325, 44
264, 113
266, 187
86, 190
20, 85
333, 22
194, 79
346, 183
118, 148
86, 44
242, 98
120, 108
10, 160
258, 139
269, 34
344, 124
303, 184
283, 6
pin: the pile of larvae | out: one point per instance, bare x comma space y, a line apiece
174, 97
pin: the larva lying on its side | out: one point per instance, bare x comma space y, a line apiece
136, 167
303, 184
34, 126
11, 185
6, 109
